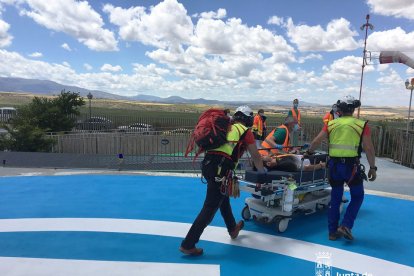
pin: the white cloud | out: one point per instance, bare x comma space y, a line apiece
66, 47
111, 68
308, 57
166, 24
74, 18
275, 20
394, 40
149, 69
65, 63
390, 77
396, 8
87, 66
5, 37
221, 13
35, 55
345, 69
410, 72
337, 36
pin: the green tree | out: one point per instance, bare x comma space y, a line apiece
42, 115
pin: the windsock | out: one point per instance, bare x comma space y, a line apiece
395, 57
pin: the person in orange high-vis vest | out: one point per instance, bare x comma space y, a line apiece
331, 115
295, 113
278, 139
258, 127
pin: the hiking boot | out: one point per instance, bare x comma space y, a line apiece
192, 252
235, 233
346, 232
334, 236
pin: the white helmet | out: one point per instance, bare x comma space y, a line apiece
245, 110
347, 99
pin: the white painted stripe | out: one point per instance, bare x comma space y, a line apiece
290, 247
10, 266
391, 195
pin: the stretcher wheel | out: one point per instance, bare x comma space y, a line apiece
281, 224
246, 213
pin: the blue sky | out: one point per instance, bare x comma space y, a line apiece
225, 50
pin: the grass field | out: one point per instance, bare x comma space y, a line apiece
134, 109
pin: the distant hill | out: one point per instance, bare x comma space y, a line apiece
46, 87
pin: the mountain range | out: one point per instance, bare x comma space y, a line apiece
47, 87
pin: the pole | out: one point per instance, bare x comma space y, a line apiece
366, 25
90, 109
409, 110
408, 124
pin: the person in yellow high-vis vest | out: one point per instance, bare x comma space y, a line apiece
347, 136
217, 163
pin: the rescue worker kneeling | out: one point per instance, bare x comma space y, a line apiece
347, 135
217, 166
278, 140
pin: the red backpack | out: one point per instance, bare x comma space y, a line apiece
210, 131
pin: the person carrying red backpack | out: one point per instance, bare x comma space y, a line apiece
217, 165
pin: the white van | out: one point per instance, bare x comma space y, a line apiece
6, 113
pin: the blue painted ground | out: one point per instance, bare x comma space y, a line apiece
384, 228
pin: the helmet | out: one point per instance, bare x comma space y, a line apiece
244, 114
347, 104
245, 110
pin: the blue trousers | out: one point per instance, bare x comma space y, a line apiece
340, 173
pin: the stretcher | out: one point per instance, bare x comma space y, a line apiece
279, 196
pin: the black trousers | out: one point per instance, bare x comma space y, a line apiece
214, 200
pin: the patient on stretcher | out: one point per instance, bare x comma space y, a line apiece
290, 163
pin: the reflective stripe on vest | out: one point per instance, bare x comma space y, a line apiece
345, 136
296, 116
266, 145
233, 137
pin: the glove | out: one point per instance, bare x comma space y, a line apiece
372, 174
279, 147
305, 146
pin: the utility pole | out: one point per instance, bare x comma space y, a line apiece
365, 26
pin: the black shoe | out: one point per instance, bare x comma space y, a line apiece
334, 236
346, 232
192, 252
235, 233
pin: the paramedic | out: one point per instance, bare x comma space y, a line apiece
216, 164
347, 135
278, 139
258, 127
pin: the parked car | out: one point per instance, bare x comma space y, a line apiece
178, 131
95, 123
137, 128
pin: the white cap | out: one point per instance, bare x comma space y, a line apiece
245, 110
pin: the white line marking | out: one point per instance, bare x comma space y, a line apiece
342, 259
12, 266
391, 195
